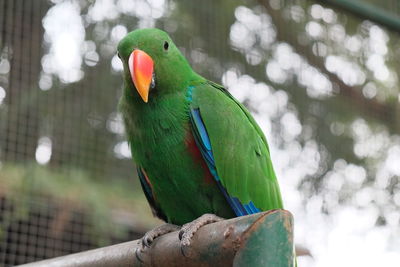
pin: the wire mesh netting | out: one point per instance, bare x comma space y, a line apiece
321, 82
73, 130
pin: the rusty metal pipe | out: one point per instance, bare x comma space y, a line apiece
262, 239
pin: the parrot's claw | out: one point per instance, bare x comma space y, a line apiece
149, 237
147, 240
188, 230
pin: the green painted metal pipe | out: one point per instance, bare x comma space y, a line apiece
262, 239
368, 11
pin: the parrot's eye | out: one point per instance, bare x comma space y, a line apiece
166, 45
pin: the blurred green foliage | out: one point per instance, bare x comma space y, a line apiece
74, 190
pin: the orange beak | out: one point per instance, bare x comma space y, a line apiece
141, 67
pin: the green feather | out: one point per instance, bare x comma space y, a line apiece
240, 148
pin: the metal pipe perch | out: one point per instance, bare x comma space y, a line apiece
262, 239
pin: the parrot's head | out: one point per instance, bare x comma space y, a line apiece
152, 63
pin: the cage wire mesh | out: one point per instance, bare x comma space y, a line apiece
321, 82
42, 213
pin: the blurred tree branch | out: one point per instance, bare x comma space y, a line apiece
365, 10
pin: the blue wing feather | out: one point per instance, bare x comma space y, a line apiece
205, 141
204, 144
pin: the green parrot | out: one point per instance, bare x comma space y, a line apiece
198, 151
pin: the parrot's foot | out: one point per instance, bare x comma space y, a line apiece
188, 230
149, 237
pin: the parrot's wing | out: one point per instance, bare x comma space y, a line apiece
148, 192
235, 149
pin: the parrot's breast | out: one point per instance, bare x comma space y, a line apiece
163, 145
